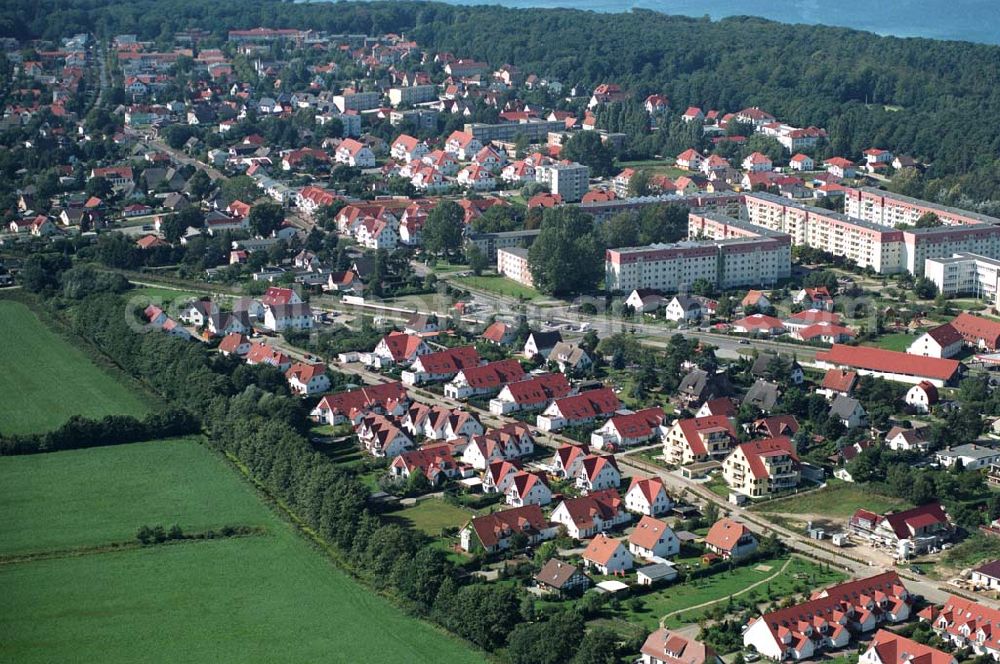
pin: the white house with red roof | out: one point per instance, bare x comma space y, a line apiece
261, 353
814, 298
943, 341
493, 532
757, 162
579, 409
567, 459
484, 380
656, 104
964, 623
499, 334
907, 533
890, 648
463, 145
828, 619
441, 365
377, 234
234, 344
628, 430
517, 172
666, 647
586, 516
653, 539
307, 379
693, 113
381, 436
730, 539
695, 439
689, 160
801, 162
399, 348
354, 153
476, 177
837, 381
489, 159
532, 394
921, 396
878, 156
435, 462
351, 406
406, 148
759, 324
527, 488
760, 468
607, 555
498, 475
441, 422
648, 496
840, 167
511, 441
596, 473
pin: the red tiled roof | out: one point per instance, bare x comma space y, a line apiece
605, 504
945, 335
231, 342
450, 360
496, 332
648, 532
491, 528
305, 372
724, 534
839, 380
639, 424
494, 374
539, 389
364, 398
755, 450
600, 549
650, 487
692, 426
402, 346
877, 359
592, 403
593, 464
974, 328
918, 517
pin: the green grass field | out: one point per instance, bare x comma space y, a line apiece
838, 500
263, 598
101, 495
165, 294
44, 380
898, 342
432, 515
499, 285
656, 167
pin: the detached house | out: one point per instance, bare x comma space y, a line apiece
499, 475
607, 555
666, 647
653, 539
561, 578
307, 379
730, 539
493, 532
526, 488
586, 516
569, 357
541, 343
354, 153
463, 145
407, 148
907, 533
648, 496
596, 473
943, 341
511, 441
399, 348
579, 409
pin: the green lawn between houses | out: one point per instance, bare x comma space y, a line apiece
262, 598
44, 380
432, 515
838, 500
499, 285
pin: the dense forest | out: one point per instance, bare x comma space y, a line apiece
935, 100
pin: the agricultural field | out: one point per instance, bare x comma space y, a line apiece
101, 495
269, 596
44, 380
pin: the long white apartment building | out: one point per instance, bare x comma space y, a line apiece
888, 209
735, 254
413, 94
868, 243
965, 274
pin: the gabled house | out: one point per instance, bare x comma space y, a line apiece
441, 365
837, 382
307, 379
493, 532
628, 430
541, 343
596, 473
907, 533
235, 344
399, 348
435, 462
653, 539
922, 396
527, 488
499, 475
579, 409
561, 578
569, 357
484, 380
696, 439
261, 353
511, 441
890, 648
730, 539
648, 496
942, 341
683, 308
381, 436
531, 394
586, 516
964, 623
666, 647
607, 555
762, 467
351, 406
849, 411
499, 334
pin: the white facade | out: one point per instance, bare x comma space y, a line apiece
513, 264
